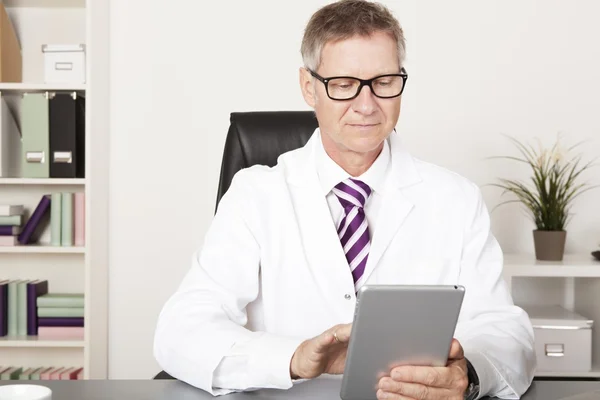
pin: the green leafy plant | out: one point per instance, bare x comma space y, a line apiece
553, 187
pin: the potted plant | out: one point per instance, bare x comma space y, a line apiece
549, 196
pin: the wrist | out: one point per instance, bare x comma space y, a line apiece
293, 369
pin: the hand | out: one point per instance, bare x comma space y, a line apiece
323, 354
421, 383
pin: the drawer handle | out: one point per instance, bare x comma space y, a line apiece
35, 157
63, 157
63, 66
555, 350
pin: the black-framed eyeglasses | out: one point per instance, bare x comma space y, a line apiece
348, 87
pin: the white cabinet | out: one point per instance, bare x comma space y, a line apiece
573, 284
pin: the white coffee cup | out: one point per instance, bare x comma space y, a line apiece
25, 392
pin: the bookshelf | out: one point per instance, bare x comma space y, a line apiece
573, 283
68, 269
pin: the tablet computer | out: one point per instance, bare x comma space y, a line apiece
398, 325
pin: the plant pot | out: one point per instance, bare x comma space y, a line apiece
549, 245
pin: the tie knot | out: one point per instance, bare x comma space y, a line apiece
352, 193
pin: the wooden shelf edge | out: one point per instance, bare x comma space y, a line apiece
42, 249
45, 3
43, 181
18, 88
573, 265
32, 341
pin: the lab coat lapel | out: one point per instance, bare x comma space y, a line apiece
324, 252
395, 208
396, 205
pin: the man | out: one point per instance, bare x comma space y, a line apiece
270, 297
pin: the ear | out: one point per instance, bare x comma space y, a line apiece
307, 87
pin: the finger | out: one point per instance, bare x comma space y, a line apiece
383, 395
412, 390
440, 377
343, 333
456, 350
323, 342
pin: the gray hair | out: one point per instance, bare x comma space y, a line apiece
344, 19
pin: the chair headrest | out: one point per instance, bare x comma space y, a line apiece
260, 137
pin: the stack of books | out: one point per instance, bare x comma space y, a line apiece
18, 306
61, 316
40, 373
64, 210
11, 219
31, 230
27, 308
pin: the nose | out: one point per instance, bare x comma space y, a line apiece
365, 102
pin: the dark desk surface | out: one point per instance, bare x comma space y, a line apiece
320, 389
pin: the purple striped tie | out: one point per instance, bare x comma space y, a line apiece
353, 230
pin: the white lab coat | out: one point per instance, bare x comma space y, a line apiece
272, 273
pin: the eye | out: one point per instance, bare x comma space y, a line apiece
342, 84
384, 82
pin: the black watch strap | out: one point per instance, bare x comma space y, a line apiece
472, 391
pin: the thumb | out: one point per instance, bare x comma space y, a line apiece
456, 350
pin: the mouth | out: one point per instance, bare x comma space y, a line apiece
363, 125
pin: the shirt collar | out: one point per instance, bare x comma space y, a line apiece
330, 173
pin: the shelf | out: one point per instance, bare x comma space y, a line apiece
594, 373
33, 341
42, 181
18, 88
573, 265
45, 3
41, 249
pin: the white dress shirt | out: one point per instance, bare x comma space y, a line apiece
330, 174
272, 274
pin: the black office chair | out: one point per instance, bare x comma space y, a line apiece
259, 137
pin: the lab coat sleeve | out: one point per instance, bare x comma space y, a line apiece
497, 336
200, 336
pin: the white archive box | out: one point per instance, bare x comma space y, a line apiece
563, 339
64, 63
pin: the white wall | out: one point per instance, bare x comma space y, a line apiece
476, 70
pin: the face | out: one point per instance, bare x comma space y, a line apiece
362, 124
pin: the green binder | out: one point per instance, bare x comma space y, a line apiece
35, 131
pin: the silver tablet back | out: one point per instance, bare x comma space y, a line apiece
398, 325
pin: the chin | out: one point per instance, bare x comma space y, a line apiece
365, 144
